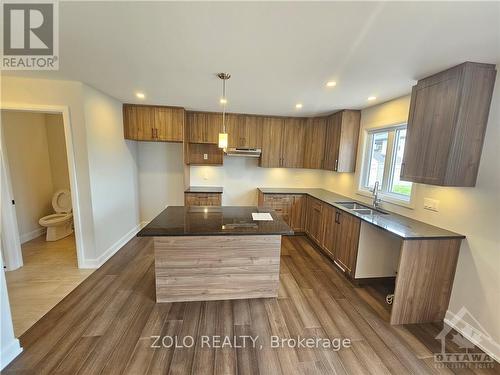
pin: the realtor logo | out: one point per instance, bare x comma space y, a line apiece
465, 354
30, 35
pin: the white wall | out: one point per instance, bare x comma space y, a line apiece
113, 173
25, 138
9, 345
473, 212
27, 92
161, 177
105, 164
57, 151
240, 177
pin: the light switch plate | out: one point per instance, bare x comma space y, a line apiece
431, 204
205, 156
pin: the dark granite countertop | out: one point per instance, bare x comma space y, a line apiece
213, 221
204, 189
401, 226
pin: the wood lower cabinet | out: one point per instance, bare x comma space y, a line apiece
298, 213
446, 125
153, 123
330, 229
341, 141
335, 231
346, 241
314, 220
202, 199
290, 207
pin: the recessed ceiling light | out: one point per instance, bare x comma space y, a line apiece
298, 105
140, 95
370, 98
331, 84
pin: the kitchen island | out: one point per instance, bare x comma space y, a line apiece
215, 253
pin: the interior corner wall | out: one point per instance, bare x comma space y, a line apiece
161, 177
112, 162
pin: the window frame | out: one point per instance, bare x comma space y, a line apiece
389, 164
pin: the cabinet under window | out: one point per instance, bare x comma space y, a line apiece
382, 163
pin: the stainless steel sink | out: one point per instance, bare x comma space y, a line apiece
360, 209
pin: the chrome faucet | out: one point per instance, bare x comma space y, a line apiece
376, 199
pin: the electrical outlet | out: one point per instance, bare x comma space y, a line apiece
205, 156
431, 204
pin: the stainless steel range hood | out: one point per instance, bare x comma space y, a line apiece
243, 151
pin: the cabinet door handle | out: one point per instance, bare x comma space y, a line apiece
336, 165
402, 172
152, 132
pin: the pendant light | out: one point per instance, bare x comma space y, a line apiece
223, 100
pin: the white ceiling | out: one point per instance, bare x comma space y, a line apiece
278, 53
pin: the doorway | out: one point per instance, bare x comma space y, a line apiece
41, 259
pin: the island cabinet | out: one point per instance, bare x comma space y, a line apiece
314, 150
203, 127
446, 125
290, 207
283, 142
153, 123
341, 141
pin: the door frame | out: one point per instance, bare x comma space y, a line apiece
10, 231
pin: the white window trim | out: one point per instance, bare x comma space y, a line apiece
384, 197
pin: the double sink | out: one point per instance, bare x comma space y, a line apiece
360, 209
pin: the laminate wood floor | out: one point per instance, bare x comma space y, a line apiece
106, 326
50, 272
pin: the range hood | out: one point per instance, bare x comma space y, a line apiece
244, 151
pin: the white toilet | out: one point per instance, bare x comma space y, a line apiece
60, 224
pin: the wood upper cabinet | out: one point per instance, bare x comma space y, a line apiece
203, 127
272, 137
283, 141
446, 125
244, 130
341, 141
292, 147
153, 123
314, 219
314, 150
346, 241
253, 131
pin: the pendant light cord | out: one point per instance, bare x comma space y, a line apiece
224, 105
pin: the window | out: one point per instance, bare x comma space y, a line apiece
382, 163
